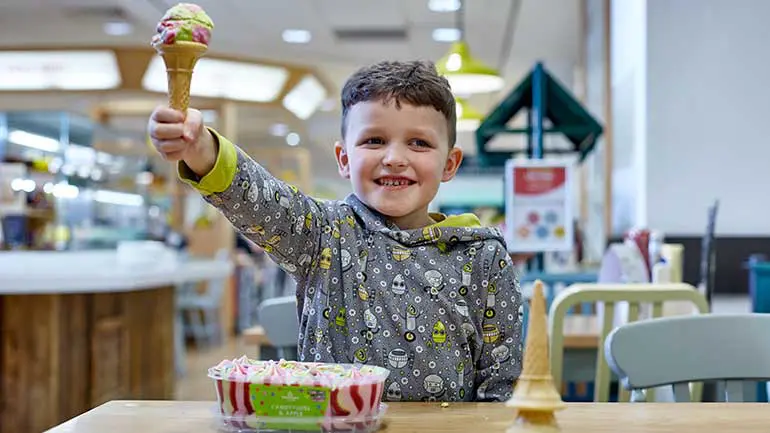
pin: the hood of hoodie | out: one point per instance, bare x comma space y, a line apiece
448, 231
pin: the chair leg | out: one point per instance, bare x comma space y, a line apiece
638, 396
212, 326
180, 350
199, 332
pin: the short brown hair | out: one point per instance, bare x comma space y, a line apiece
415, 83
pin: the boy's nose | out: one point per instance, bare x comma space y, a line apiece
394, 157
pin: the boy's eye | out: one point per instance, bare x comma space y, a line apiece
420, 143
373, 140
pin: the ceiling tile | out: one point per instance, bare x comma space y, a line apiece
362, 13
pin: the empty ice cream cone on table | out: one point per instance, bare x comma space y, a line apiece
182, 37
535, 396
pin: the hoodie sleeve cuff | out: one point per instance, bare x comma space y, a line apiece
221, 176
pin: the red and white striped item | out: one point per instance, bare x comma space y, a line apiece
354, 406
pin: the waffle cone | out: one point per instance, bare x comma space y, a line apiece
535, 390
180, 59
536, 360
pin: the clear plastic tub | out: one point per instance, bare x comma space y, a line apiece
335, 424
349, 404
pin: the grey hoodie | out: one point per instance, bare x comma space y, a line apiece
439, 307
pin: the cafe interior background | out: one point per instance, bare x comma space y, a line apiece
110, 265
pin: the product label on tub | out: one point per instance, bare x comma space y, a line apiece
289, 407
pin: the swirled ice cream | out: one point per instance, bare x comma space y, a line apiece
284, 372
185, 22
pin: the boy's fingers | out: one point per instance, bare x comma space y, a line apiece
192, 125
167, 131
167, 115
172, 131
170, 146
174, 156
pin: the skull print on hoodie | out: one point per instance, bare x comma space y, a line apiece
438, 306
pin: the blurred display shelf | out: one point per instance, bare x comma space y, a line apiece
43, 214
73, 167
472, 190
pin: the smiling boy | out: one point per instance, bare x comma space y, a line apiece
380, 280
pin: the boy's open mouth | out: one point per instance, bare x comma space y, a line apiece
394, 182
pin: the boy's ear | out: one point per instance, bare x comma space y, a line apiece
341, 155
453, 161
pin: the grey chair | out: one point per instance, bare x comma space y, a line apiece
731, 349
200, 312
278, 317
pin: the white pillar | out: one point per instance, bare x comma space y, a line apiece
689, 106
708, 109
628, 33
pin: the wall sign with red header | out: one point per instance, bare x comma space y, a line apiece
538, 206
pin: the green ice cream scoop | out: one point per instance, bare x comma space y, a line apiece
185, 22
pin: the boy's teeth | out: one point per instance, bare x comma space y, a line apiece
393, 182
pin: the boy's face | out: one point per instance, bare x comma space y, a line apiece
396, 158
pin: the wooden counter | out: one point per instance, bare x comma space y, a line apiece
197, 417
78, 330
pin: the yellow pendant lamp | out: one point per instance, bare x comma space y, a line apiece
468, 118
466, 74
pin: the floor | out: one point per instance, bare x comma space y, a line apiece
195, 385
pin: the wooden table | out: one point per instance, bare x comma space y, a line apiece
198, 417
581, 332
256, 337
78, 329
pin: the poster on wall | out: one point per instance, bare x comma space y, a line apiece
538, 206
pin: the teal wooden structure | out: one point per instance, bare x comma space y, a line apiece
545, 100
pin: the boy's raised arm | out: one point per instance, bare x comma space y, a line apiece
499, 364
276, 216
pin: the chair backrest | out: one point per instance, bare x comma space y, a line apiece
674, 256
274, 280
222, 255
278, 317
215, 287
708, 254
611, 294
678, 350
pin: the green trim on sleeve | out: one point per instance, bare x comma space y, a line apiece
221, 176
462, 220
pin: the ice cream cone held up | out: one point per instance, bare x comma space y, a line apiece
535, 395
182, 37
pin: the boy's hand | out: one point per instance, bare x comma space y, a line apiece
183, 138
